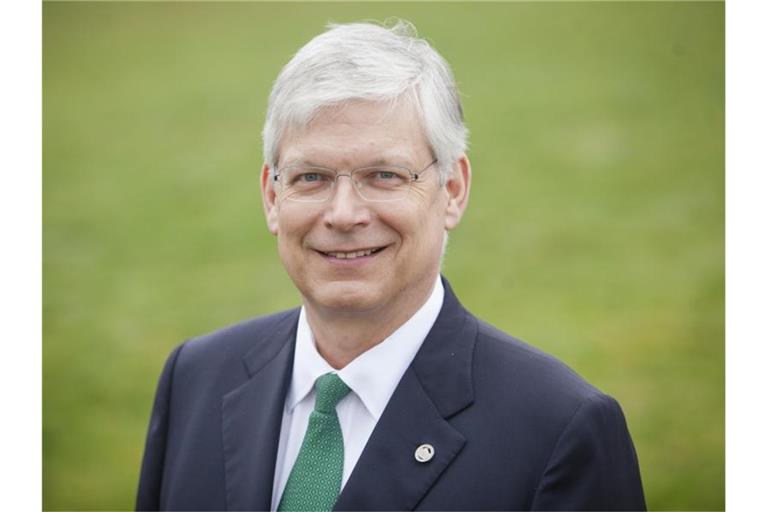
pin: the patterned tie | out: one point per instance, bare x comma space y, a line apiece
315, 480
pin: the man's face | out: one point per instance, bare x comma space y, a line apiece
406, 235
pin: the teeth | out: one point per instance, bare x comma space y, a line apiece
350, 255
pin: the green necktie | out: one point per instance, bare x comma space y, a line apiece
315, 480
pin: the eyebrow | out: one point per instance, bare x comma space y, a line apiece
302, 163
397, 161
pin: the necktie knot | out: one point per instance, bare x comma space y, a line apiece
330, 390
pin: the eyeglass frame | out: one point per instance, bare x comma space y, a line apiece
414, 177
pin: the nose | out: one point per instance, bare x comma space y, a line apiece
345, 209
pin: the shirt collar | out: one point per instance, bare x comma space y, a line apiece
374, 374
308, 364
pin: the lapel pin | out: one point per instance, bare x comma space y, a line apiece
424, 453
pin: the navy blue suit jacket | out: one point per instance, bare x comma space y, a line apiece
512, 428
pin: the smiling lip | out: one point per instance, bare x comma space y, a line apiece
351, 255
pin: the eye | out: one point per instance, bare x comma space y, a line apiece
385, 178
309, 177
386, 175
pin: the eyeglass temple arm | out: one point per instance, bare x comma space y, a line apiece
417, 174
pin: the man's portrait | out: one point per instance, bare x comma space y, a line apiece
362, 257
381, 392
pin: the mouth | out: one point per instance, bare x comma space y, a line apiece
352, 255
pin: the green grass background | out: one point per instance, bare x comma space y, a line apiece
595, 228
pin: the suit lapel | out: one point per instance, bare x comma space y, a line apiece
251, 419
437, 385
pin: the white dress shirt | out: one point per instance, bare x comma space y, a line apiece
372, 377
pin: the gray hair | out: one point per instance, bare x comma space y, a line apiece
369, 62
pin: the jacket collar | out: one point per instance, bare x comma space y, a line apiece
252, 415
443, 366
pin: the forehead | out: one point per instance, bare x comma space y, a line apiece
357, 134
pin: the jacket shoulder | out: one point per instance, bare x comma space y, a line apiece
209, 355
530, 373
241, 335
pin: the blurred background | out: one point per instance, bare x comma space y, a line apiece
595, 229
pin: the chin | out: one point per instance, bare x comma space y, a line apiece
351, 296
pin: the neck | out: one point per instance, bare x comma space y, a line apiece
341, 336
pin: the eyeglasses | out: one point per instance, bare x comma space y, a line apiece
380, 183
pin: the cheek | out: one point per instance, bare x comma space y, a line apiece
421, 233
291, 232
295, 219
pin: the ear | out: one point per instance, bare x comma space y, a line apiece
457, 188
269, 199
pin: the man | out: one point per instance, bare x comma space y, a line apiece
381, 392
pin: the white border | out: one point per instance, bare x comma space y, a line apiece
20, 263
746, 254
20, 267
